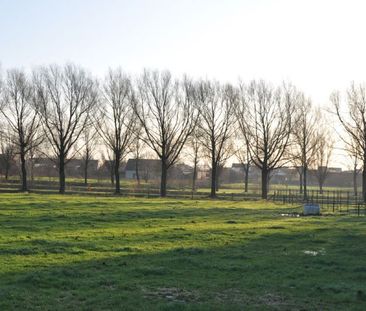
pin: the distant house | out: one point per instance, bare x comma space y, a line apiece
147, 169
203, 173
106, 168
150, 169
8, 166
238, 167
181, 171
334, 169
284, 175
73, 168
44, 167
237, 172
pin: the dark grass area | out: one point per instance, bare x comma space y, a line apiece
106, 253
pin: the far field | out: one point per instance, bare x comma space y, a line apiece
176, 189
110, 253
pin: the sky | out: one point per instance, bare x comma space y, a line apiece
319, 45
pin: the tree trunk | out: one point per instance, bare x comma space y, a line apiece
7, 169
146, 175
194, 177
61, 169
112, 173
301, 173
213, 179
217, 178
321, 183
265, 183
23, 170
32, 170
137, 171
116, 176
305, 176
246, 177
364, 181
86, 172
163, 180
355, 181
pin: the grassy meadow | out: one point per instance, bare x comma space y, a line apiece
111, 253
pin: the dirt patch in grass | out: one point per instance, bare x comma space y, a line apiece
239, 297
232, 295
272, 300
173, 294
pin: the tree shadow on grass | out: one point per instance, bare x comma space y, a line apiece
272, 271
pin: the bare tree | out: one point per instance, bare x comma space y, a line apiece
192, 154
66, 98
118, 120
167, 114
219, 171
22, 116
194, 144
265, 120
243, 155
137, 151
351, 149
8, 151
216, 105
305, 138
322, 156
108, 162
89, 142
33, 152
353, 120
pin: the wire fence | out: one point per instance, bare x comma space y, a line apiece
335, 201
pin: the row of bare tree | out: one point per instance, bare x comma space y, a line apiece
61, 111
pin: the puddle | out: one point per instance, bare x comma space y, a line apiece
314, 253
291, 215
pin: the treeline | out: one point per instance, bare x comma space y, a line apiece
63, 111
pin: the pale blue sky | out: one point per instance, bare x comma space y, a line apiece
319, 45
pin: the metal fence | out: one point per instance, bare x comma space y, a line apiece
341, 201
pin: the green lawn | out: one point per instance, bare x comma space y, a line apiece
108, 253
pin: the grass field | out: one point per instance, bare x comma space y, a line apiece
109, 253
173, 184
